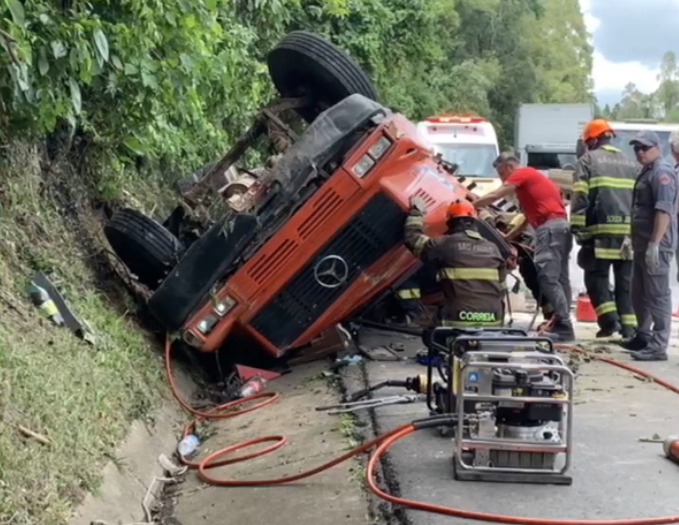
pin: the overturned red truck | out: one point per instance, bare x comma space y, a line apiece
308, 239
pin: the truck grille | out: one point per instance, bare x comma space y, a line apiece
375, 230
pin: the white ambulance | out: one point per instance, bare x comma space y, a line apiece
470, 142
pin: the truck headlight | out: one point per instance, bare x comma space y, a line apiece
224, 305
363, 165
207, 323
380, 147
192, 339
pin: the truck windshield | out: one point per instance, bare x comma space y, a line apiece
552, 161
474, 160
622, 138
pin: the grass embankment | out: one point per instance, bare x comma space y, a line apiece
81, 397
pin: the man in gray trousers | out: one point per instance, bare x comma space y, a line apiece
654, 240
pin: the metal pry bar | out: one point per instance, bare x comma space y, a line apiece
364, 404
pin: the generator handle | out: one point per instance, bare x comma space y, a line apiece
459, 348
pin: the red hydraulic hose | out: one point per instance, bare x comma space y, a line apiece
383, 442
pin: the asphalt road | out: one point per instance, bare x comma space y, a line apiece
614, 475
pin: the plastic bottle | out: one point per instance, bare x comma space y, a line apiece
188, 445
42, 300
253, 386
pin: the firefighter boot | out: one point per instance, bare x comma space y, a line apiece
561, 331
609, 329
634, 344
628, 332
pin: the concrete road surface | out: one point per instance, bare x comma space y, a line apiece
614, 474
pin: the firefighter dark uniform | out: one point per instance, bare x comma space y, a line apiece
470, 269
410, 297
601, 208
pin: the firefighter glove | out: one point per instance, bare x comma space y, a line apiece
653, 255
626, 251
418, 204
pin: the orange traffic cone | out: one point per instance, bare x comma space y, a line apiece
584, 311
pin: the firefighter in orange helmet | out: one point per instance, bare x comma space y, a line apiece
601, 208
470, 269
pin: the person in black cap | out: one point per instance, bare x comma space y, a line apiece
654, 240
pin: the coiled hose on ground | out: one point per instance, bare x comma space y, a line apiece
381, 442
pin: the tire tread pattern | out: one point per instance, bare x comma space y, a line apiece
325, 55
143, 245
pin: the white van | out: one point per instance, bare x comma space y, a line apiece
625, 131
466, 140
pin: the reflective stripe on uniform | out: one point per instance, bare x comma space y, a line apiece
608, 253
609, 229
420, 244
469, 324
578, 219
468, 274
606, 308
414, 220
581, 186
611, 182
628, 320
409, 293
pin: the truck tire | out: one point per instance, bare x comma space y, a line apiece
143, 245
306, 64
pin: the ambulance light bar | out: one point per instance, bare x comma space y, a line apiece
454, 119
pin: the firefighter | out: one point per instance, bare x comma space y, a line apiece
410, 297
601, 207
470, 269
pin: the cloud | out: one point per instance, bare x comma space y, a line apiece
635, 31
615, 75
629, 39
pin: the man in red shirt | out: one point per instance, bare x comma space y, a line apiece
542, 205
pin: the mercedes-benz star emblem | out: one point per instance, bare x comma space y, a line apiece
331, 271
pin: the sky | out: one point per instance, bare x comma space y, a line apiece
629, 39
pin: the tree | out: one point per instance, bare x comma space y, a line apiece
561, 54
667, 93
662, 104
634, 104
176, 81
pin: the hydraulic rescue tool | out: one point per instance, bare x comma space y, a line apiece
512, 398
365, 404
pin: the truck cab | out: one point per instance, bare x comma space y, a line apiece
338, 250
467, 141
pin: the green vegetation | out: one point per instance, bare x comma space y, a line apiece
81, 397
113, 100
173, 81
663, 104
